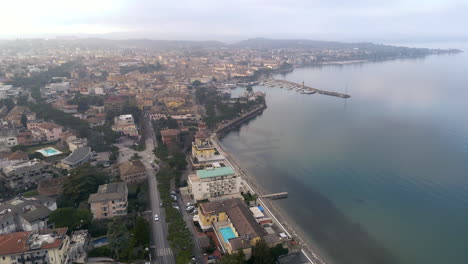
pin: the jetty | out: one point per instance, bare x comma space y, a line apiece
224, 128
303, 89
274, 196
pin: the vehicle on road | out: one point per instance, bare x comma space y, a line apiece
156, 217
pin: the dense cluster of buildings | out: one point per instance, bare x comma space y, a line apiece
112, 90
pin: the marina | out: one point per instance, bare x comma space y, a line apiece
301, 88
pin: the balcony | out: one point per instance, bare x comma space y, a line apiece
31, 259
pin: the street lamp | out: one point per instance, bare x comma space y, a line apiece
149, 254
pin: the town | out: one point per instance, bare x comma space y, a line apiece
109, 149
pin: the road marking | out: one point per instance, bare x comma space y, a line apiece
164, 252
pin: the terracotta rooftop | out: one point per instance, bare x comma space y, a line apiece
239, 215
48, 125
170, 132
28, 241
18, 155
131, 167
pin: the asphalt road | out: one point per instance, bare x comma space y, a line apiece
161, 250
161, 253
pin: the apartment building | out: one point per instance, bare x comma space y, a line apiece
109, 201
214, 183
24, 174
26, 214
204, 154
125, 125
35, 247
51, 131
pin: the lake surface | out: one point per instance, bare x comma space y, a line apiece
381, 177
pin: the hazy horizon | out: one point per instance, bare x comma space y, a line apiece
362, 20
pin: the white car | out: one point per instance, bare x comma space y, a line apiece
156, 217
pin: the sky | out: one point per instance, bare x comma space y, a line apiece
232, 20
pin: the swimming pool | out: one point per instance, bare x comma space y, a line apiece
49, 151
101, 240
227, 233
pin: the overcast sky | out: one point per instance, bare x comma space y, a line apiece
237, 19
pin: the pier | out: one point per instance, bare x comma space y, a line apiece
301, 88
224, 128
275, 196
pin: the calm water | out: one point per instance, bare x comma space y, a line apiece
380, 178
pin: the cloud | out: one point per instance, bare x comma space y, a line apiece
273, 18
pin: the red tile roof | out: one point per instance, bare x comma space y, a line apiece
170, 132
17, 242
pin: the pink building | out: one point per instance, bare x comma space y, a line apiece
52, 131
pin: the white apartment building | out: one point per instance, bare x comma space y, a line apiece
214, 183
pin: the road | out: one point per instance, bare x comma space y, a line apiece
161, 252
188, 218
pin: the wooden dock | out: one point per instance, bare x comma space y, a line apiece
301, 88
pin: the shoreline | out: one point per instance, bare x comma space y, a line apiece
313, 254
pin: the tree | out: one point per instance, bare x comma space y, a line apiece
249, 89
261, 253
22, 100
135, 157
161, 151
8, 102
196, 83
24, 120
114, 153
278, 251
70, 217
118, 237
234, 258
141, 232
82, 182
178, 161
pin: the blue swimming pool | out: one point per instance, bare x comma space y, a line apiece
100, 240
227, 233
47, 152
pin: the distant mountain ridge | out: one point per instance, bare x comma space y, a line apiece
255, 43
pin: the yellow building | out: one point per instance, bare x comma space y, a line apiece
204, 154
203, 149
145, 101
173, 101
